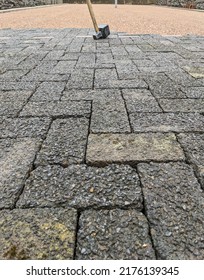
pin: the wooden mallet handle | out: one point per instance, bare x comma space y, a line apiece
88, 2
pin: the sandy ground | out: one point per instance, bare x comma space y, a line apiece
124, 18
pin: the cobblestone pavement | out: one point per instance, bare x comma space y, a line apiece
101, 145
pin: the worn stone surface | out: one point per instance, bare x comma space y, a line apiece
132, 148
65, 143
140, 101
174, 206
69, 103
182, 105
16, 161
48, 91
23, 127
57, 109
80, 186
109, 116
167, 122
113, 235
193, 145
38, 234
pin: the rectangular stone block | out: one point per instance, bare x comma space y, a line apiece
194, 92
13, 96
174, 204
48, 91
132, 148
57, 109
24, 127
16, 161
182, 105
140, 101
38, 234
167, 122
113, 235
81, 79
65, 143
106, 84
82, 187
11, 109
109, 116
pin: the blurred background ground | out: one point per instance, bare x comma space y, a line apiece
132, 19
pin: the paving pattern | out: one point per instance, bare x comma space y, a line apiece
101, 145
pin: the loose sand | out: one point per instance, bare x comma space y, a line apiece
125, 18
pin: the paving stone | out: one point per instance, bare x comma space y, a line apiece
49, 91
86, 61
194, 92
109, 116
13, 96
64, 67
113, 235
57, 109
82, 187
38, 234
174, 205
162, 87
36, 76
136, 83
10, 108
132, 148
140, 101
12, 75
65, 143
196, 72
182, 105
166, 122
89, 95
193, 145
81, 79
23, 127
105, 74
11, 86
17, 157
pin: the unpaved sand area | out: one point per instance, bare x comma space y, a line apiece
125, 18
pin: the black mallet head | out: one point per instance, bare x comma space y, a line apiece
104, 31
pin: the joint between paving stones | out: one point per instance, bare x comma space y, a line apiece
76, 234
89, 131
27, 176
128, 115
144, 211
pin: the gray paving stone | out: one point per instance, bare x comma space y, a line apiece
81, 79
18, 85
196, 72
86, 61
174, 205
13, 75
89, 95
82, 187
48, 91
167, 122
140, 101
64, 67
135, 83
193, 145
17, 157
10, 108
38, 234
113, 235
13, 96
132, 148
194, 92
162, 87
105, 74
65, 143
36, 76
182, 105
23, 127
57, 109
109, 116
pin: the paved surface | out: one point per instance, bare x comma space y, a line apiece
126, 18
101, 146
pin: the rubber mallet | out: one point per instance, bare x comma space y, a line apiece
102, 31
